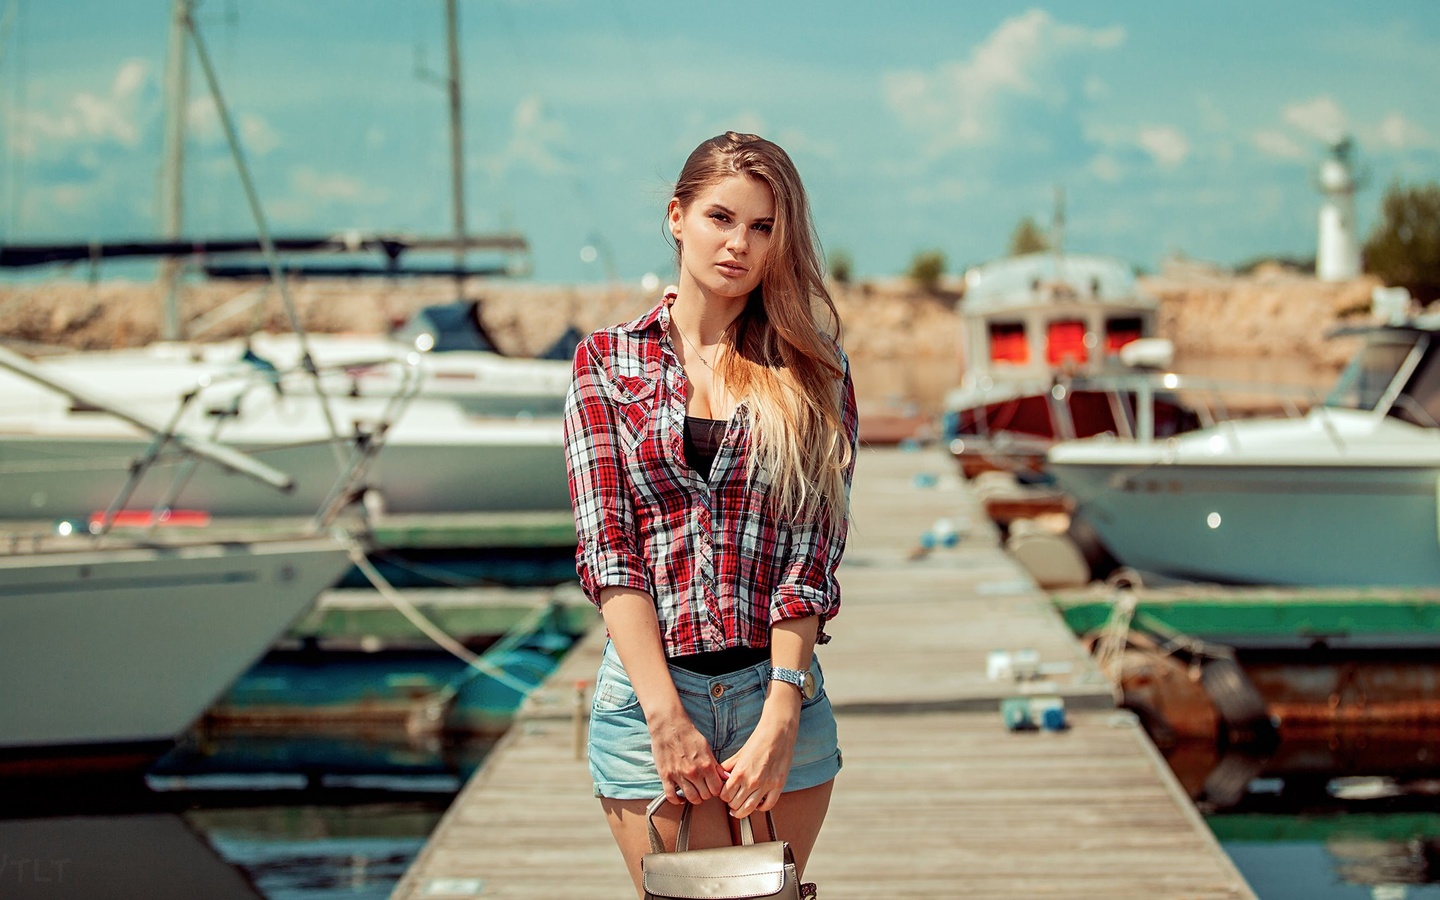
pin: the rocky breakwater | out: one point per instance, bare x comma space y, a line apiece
902, 342
1272, 314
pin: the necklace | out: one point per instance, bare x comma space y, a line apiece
693, 347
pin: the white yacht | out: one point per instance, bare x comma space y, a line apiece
108, 653
1345, 495
110, 648
478, 431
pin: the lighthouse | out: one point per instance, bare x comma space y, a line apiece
1337, 258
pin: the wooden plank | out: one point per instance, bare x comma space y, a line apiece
936, 797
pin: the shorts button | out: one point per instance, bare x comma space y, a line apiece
717, 691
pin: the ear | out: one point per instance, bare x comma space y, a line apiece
674, 214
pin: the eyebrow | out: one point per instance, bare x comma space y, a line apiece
718, 207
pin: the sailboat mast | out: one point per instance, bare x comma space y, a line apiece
457, 155
177, 92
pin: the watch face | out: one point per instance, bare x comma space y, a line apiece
807, 690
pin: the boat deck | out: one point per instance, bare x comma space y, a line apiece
937, 798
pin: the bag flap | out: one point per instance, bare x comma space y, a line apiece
757, 870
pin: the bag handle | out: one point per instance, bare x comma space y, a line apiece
682, 840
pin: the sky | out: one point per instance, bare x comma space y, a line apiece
1192, 129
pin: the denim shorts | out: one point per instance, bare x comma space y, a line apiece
725, 709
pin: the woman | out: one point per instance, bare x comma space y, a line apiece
710, 445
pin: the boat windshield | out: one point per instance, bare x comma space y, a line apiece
1370, 372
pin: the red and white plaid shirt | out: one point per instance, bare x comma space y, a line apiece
721, 565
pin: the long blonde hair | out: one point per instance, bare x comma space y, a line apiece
782, 362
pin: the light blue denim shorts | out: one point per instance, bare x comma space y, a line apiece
725, 709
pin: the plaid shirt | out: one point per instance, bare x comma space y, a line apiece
721, 566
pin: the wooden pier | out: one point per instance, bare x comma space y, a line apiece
936, 798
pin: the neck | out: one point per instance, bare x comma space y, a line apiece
704, 317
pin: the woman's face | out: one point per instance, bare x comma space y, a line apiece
725, 236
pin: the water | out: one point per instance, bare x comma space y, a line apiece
1336, 852
271, 827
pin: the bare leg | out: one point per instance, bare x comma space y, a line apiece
798, 817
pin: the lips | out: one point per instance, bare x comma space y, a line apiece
734, 270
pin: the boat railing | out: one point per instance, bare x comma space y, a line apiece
167, 436
1217, 403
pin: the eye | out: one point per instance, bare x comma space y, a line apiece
764, 227
719, 217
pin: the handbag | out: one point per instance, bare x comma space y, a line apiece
739, 872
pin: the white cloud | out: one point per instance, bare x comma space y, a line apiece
1397, 132
963, 103
331, 187
536, 140
1276, 143
257, 135
1320, 118
1107, 168
118, 116
1165, 144
202, 125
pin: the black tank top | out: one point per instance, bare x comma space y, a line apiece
702, 442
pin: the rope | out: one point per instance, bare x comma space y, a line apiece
427, 627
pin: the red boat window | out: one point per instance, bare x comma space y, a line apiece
1119, 332
1066, 341
1008, 344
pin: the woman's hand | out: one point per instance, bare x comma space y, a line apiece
756, 774
684, 759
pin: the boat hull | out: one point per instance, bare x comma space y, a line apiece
1014, 434
1341, 525
48, 477
128, 647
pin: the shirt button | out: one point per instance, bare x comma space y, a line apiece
717, 691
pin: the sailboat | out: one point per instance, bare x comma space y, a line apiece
110, 648
481, 432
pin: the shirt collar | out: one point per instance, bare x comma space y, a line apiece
658, 317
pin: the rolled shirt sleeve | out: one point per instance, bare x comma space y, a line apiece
808, 585
607, 552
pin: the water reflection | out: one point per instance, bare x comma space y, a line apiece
140, 855
243, 815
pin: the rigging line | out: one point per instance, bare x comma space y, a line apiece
261, 227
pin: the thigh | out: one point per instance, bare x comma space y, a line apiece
798, 816
709, 827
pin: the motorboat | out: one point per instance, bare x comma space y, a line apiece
1342, 495
1045, 336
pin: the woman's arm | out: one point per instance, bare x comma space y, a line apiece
757, 773
682, 754
607, 552
808, 594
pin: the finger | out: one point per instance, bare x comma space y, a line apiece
771, 799
674, 793
746, 809
732, 789
714, 782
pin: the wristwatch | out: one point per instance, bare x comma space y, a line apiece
801, 678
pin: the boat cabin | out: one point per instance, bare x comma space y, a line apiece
1043, 315
1395, 373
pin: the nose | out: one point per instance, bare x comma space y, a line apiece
739, 240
